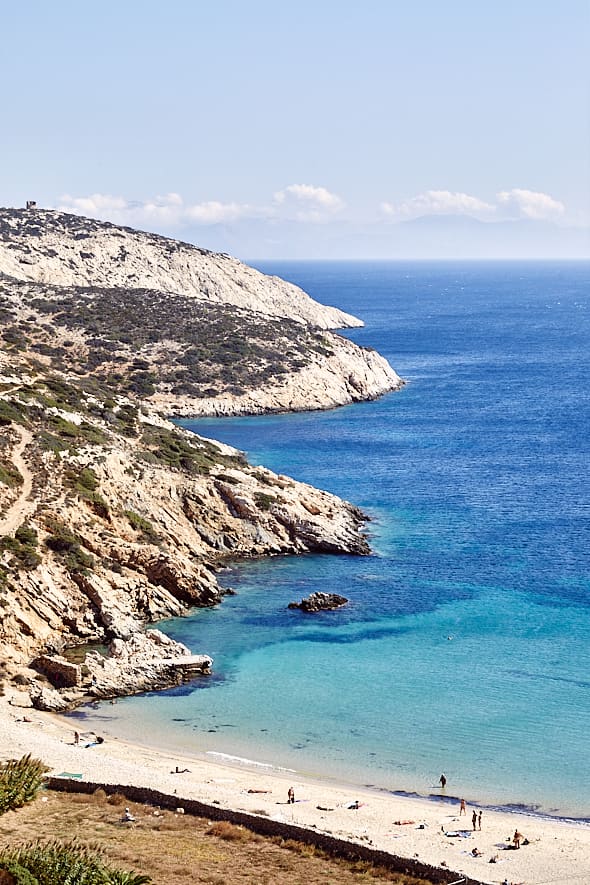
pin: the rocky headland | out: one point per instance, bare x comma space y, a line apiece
112, 517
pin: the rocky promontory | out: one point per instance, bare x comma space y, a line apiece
111, 516
192, 332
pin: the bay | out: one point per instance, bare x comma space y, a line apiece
465, 646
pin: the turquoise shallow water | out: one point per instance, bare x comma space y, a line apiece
465, 647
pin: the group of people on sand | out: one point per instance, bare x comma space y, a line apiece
475, 817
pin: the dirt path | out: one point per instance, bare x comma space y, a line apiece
22, 507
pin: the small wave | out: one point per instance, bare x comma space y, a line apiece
243, 761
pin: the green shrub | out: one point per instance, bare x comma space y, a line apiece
20, 875
50, 443
84, 432
91, 434
86, 480
142, 525
264, 501
65, 394
9, 475
26, 534
11, 412
84, 483
20, 781
170, 448
64, 427
61, 539
23, 548
68, 547
69, 863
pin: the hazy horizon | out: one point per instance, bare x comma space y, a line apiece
308, 129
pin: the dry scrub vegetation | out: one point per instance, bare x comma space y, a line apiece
181, 849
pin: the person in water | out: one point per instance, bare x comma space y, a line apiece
443, 781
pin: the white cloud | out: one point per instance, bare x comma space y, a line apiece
93, 204
300, 202
168, 210
214, 212
520, 203
515, 203
438, 203
306, 202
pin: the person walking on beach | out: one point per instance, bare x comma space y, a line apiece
290, 796
462, 809
474, 819
479, 820
76, 738
443, 781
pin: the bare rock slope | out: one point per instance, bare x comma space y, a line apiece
46, 246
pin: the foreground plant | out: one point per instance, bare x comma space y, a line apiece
56, 863
20, 781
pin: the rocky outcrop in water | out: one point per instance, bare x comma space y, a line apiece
319, 602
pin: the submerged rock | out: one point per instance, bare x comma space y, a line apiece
319, 602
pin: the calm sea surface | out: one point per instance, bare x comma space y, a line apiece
466, 644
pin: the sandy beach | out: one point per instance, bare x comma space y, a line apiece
555, 852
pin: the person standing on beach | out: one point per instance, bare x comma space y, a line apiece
474, 819
443, 781
76, 738
479, 820
462, 809
290, 796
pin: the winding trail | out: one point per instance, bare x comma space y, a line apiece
22, 507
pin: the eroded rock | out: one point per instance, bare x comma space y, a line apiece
319, 602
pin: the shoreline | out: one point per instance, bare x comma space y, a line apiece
557, 850
246, 764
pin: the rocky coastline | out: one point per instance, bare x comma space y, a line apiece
111, 517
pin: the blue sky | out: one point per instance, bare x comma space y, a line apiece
305, 128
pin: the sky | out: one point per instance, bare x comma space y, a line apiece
316, 128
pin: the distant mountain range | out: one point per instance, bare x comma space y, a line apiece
428, 237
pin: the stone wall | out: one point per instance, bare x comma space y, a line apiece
266, 827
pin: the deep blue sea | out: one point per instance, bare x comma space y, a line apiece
466, 644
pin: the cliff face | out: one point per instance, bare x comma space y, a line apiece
110, 516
